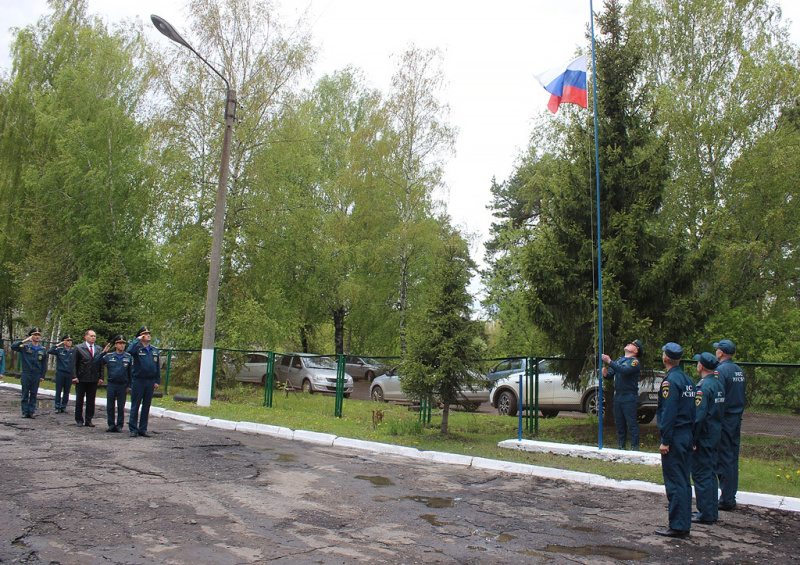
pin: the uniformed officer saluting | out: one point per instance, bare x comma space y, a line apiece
625, 371
732, 378
710, 406
675, 415
34, 367
119, 365
62, 351
145, 378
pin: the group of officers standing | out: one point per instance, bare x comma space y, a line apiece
133, 370
700, 427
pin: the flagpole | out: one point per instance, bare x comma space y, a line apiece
599, 247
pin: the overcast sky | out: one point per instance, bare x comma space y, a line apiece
491, 52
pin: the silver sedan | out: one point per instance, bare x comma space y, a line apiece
310, 373
388, 388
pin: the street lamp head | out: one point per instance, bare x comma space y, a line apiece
166, 28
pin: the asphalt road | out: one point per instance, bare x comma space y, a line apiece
71, 495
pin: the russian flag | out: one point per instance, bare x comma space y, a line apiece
566, 84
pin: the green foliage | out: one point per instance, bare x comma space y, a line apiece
72, 147
444, 347
542, 253
698, 144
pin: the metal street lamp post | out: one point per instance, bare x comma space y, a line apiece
210, 323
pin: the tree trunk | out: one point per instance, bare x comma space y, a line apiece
445, 417
304, 331
338, 329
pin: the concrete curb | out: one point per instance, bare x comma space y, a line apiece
750, 498
584, 451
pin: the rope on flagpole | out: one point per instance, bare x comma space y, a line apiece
599, 246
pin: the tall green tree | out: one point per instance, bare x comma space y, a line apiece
72, 152
723, 72
544, 247
445, 347
248, 42
414, 155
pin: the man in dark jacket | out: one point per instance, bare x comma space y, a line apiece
34, 367
62, 351
676, 415
733, 381
145, 378
625, 371
118, 368
86, 376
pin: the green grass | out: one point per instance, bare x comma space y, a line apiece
767, 465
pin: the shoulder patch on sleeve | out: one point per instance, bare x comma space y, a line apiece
634, 362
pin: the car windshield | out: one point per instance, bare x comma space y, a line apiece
319, 363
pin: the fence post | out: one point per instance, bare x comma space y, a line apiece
269, 381
536, 399
529, 398
213, 371
340, 367
166, 377
521, 405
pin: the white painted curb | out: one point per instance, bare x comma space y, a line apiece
221, 424
584, 451
317, 438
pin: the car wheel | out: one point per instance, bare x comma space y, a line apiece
369, 375
307, 387
549, 413
377, 394
645, 417
507, 403
347, 395
590, 404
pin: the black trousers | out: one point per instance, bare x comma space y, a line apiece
87, 392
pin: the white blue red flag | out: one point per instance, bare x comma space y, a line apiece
566, 84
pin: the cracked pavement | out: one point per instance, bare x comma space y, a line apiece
190, 495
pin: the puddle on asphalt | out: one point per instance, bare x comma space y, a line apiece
502, 538
604, 550
286, 458
433, 501
434, 521
376, 480
536, 554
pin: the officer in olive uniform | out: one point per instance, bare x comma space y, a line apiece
62, 351
34, 367
676, 412
733, 379
710, 407
145, 378
625, 372
119, 366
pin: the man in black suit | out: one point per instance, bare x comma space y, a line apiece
86, 375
